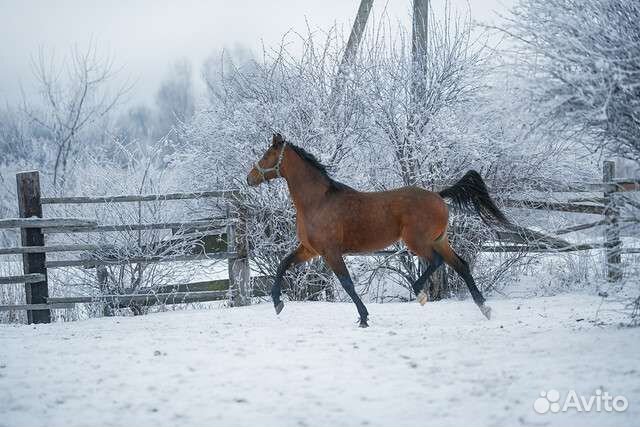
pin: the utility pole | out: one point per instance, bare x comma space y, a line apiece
415, 119
438, 286
352, 45
419, 43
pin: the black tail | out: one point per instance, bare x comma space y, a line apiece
471, 191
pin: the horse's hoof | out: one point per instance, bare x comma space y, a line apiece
422, 298
363, 324
279, 306
486, 310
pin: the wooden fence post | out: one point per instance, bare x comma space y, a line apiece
102, 276
30, 206
612, 231
239, 272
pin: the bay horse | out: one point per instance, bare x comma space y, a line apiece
333, 219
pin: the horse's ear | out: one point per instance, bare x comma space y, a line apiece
277, 139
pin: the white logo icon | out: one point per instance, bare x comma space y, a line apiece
548, 401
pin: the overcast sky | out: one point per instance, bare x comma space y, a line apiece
145, 36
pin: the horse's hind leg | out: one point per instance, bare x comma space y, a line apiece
462, 268
425, 251
435, 261
336, 263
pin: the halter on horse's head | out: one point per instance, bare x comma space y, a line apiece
271, 162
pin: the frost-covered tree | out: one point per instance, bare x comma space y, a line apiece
175, 99
137, 123
409, 93
582, 58
221, 63
75, 94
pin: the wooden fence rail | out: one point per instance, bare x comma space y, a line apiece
45, 223
187, 225
18, 250
146, 299
138, 198
37, 307
554, 206
611, 185
27, 278
90, 263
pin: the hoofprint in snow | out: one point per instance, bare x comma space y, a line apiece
441, 364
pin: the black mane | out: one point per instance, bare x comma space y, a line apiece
313, 161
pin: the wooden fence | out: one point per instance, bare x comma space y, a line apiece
608, 208
34, 229
238, 288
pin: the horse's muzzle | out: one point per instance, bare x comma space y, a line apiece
253, 178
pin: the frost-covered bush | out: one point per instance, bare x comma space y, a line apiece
578, 62
138, 170
373, 134
582, 59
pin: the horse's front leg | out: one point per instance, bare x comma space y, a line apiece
336, 263
298, 256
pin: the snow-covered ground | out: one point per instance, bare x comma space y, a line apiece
442, 364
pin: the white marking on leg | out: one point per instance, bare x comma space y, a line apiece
422, 298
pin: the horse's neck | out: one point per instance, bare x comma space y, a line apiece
307, 185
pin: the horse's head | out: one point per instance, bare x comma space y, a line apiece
270, 165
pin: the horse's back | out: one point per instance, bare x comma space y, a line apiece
374, 220
404, 199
